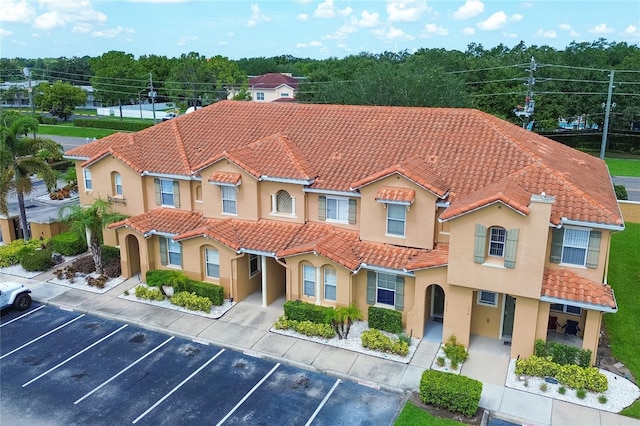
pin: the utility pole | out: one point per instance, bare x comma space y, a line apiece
526, 112
607, 112
27, 73
152, 93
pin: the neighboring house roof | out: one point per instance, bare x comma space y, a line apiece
464, 155
272, 81
571, 288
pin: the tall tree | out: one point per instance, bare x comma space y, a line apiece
59, 98
117, 77
19, 160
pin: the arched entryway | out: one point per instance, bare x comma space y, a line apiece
133, 255
434, 313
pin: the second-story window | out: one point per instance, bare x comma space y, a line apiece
396, 219
229, 204
167, 192
283, 203
88, 184
575, 246
502, 243
117, 184
337, 209
260, 96
497, 239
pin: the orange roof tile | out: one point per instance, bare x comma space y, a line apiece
225, 177
447, 150
395, 194
567, 285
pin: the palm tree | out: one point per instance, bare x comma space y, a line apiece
19, 160
338, 316
90, 221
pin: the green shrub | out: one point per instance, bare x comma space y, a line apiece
69, 244
160, 277
581, 393
307, 328
110, 254
455, 351
191, 301
45, 119
213, 292
149, 293
385, 319
131, 126
450, 391
376, 340
563, 354
570, 375
303, 311
621, 192
10, 253
602, 399
404, 338
182, 283
36, 259
562, 390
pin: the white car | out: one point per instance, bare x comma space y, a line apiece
14, 294
168, 116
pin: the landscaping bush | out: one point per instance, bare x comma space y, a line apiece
191, 301
45, 119
131, 126
563, 354
455, 351
385, 319
148, 293
84, 265
621, 192
570, 375
303, 311
68, 244
110, 254
160, 277
308, 328
10, 253
182, 283
113, 269
378, 341
36, 259
451, 391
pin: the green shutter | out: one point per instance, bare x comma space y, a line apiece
322, 207
352, 211
399, 292
156, 185
371, 287
480, 244
594, 249
510, 248
557, 239
176, 194
163, 250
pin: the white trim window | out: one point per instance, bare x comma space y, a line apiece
88, 183
212, 263
254, 265
575, 246
117, 183
229, 199
566, 309
170, 252
338, 209
386, 289
166, 192
487, 298
497, 239
308, 280
330, 283
283, 203
396, 219
260, 96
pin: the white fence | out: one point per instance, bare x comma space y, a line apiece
142, 111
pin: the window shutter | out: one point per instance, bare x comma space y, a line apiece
371, 287
156, 185
557, 238
352, 211
163, 251
399, 293
594, 249
510, 248
480, 244
176, 194
322, 207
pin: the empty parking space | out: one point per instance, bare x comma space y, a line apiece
62, 367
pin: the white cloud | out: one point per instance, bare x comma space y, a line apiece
565, 27
345, 12
82, 28
493, 22
184, 40
510, 35
468, 31
62, 12
301, 46
434, 29
325, 10
406, 10
516, 17
369, 20
302, 17
542, 33
109, 33
392, 33
574, 33
5, 33
315, 43
256, 16
601, 29
631, 32
16, 11
223, 43
469, 9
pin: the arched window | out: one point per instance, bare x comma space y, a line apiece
117, 183
330, 283
212, 262
283, 202
199, 193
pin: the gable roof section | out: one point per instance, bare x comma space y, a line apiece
564, 286
272, 80
393, 194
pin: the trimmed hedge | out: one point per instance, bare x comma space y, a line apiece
302, 311
451, 391
562, 354
307, 328
131, 126
110, 254
68, 243
36, 260
570, 375
191, 301
621, 192
10, 253
376, 340
182, 283
385, 319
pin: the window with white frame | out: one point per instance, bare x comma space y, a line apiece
88, 184
166, 192
330, 283
283, 202
284, 95
254, 264
396, 219
497, 240
574, 246
260, 96
567, 309
229, 203
338, 209
487, 298
308, 280
212, 262
386, 289
170, 252
117, 184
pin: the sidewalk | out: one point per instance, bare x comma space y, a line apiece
246, 328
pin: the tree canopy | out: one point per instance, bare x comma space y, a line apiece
59, 98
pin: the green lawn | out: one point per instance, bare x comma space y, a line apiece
623, 167
67, 129
624, 326
413, 416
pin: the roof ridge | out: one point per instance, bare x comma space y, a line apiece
181, 147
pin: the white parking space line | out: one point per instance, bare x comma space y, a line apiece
73, 356
124, 370
324, 401
22, 316
177, 387
248, 394
42, 336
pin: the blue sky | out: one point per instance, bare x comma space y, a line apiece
303, 28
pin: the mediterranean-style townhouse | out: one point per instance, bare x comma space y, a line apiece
450, 215
273, 87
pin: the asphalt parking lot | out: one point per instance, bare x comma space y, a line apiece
62, 368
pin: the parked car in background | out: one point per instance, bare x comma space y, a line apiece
14, 294
168, 116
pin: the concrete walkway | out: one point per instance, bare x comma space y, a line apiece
246, 328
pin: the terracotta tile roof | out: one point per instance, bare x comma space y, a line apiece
393, 193
163, 220
272, 80
464, 150
225, 177
569, 286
